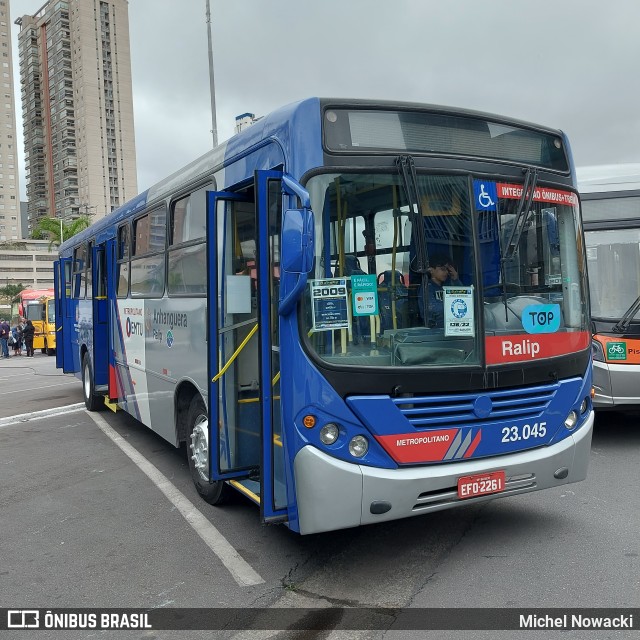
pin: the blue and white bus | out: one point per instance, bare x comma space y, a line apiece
272, 306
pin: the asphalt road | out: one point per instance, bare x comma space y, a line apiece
34, 384
83, 524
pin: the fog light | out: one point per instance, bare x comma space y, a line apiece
571, 420
329, 433
358, 446
584, 406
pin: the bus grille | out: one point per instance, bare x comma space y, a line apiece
452, 410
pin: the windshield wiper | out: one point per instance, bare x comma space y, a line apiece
524, 204
528, 190
407, 171
420, 262
623, 324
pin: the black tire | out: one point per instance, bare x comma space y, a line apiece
48, 351
91, 401
212, 492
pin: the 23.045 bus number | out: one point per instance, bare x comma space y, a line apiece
525, 432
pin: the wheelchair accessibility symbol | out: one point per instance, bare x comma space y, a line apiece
486, 195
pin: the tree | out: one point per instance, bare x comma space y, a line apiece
13, 245
52, 228
11, 292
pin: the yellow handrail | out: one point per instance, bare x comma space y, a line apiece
236, 353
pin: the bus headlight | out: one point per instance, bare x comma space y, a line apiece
329, 433
571, 420
584, 406
597, 351
358, 446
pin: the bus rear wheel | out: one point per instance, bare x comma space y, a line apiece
91, 400
198, 451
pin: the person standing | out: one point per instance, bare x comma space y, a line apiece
22, 325
27, 335
17, 340
5, 330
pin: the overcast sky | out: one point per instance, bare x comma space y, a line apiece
569, 64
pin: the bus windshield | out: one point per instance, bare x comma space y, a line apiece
613, 257
389, 291
34, 311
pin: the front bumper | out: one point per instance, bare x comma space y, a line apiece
333, 494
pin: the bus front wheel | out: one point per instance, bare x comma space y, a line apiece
91, 400
198, 454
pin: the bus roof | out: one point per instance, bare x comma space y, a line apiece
36, 294
609, 177
276, 125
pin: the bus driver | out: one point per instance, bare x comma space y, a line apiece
442, 272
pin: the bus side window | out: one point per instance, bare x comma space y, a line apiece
78, 278
123, 254
148, 254
101, 275
89, 270
187, 267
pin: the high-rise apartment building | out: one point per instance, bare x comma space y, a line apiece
77, 107
9, 188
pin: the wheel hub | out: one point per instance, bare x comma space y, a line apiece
200, 447
86, 383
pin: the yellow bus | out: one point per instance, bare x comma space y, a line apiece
42, 313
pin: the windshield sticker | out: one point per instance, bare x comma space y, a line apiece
485, 195
329, 298
458, 311
541, 318
364, 291
541, 194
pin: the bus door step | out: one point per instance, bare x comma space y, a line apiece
111, 404
249, 488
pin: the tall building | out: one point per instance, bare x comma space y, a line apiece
77, 107
9, 188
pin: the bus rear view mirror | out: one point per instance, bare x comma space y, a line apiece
297, 241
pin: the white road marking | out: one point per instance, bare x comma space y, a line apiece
241, 571
39, 415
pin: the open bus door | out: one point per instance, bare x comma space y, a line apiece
230, 328
239, 345
64, 315
100, 317
248, 448
111, 293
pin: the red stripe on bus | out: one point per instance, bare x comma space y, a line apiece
476, 441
